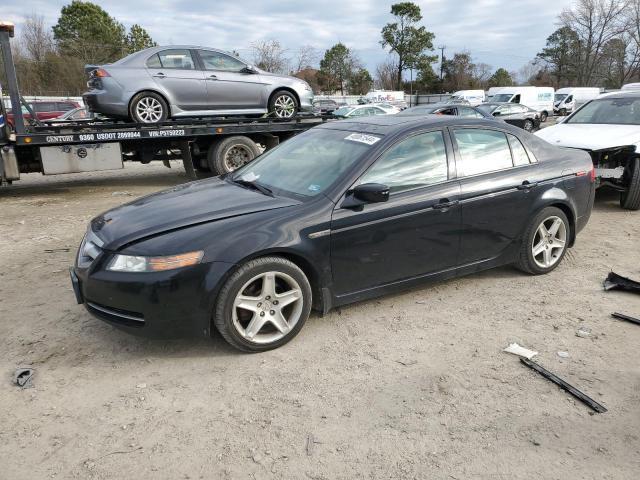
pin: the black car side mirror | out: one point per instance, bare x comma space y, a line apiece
366, 193
496, 114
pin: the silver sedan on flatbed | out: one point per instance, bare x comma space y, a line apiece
158, 83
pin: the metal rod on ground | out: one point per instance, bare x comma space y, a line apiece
564, 385
622, 316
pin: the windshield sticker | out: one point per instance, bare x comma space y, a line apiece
362, 138
314, 188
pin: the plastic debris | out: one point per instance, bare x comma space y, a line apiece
516, 349
562, 354
23, 376
618, 282
583, 332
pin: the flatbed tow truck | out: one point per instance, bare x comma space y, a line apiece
215, 144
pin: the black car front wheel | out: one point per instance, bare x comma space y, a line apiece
545, 242
263, 305
148, 107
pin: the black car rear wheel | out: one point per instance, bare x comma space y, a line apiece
545, 242
263, 305
148, 107
630, 198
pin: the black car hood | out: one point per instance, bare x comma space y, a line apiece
182, 206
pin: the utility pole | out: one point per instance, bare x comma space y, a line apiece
441, 59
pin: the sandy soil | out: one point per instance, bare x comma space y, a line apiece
412, 386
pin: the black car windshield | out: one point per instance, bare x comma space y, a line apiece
308, 163
615, 111
502, 97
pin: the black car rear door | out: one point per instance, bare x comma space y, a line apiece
497, 181
414, 233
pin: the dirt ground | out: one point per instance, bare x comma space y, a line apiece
411, 386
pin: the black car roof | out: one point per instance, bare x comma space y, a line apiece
390, 124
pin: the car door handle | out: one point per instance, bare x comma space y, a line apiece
212, 77
159, 75
527, 185
444, 204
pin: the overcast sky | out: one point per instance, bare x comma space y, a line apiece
502, 33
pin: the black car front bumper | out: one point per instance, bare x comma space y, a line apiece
175, 303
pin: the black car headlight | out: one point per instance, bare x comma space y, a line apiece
137, 263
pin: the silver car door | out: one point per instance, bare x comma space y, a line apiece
177, 76
229, 84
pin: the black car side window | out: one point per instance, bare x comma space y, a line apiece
414, 162
220, 61
482, 151
518, 151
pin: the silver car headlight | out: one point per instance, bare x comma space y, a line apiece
141, 264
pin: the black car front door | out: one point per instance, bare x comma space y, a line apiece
497, 180
414, 233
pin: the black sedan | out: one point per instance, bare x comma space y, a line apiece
457, 109
513, 113
344, 212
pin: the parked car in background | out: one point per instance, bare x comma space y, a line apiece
80, 113
359, 111
474, 97
343, 212
519, 115
389, 108
539, 99
460, 110
158, 83
44, 110
608, 128
325, 106
567, 100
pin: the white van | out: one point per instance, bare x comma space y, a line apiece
474, 97
570, 99
631, 86
491, 92
538, 98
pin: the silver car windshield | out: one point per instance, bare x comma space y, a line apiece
309, 163
614, 111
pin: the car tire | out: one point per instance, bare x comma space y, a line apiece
540, 254
630, 199
543, 117
283, 104
563, 112
528, 126
149, 108
231, 153
248, 313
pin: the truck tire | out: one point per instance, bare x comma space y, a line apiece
630, 199
231, 153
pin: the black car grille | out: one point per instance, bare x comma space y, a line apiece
115, 315
90, 249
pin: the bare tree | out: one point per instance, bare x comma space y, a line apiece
305, 57
482, 73
270, 56
596, 23
385, 75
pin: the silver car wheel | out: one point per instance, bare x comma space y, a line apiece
549, 242
284, 106
236, 157
149, 110
267, 307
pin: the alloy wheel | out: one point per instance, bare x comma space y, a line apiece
528, 126
236, 157
267, 307
149, 110
284, 106
549, 242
